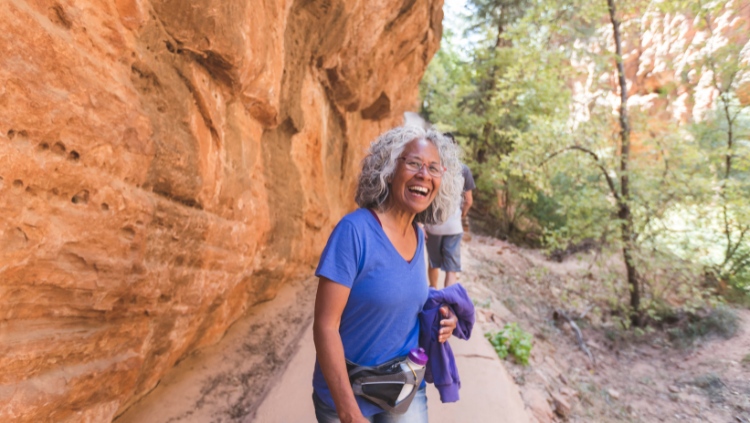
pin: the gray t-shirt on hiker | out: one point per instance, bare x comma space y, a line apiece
453, 226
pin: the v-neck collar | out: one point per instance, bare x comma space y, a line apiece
382, 233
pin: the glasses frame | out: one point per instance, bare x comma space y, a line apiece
422, 165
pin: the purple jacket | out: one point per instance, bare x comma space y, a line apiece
441, 367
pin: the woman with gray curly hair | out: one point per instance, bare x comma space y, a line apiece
373, 282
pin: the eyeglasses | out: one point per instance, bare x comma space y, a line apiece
413, 165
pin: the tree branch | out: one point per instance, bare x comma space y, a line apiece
579, 335
610, 182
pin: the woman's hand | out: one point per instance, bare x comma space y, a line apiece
447, 324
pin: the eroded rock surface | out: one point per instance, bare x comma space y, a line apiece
164, 165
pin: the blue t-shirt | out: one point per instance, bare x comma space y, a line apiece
380, 319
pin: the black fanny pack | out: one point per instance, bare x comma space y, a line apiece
382, 385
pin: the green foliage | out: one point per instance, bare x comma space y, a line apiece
490, 102
530, 98
513, 340
721, 321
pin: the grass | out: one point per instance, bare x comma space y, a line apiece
486, 304
721, 321
711, 384
738, 296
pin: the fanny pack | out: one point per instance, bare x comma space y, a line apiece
382, 385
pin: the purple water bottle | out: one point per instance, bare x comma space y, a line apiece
415, 363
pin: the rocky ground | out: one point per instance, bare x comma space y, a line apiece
634, 376
226, 382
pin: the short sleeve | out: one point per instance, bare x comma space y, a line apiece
468, 178
340, 259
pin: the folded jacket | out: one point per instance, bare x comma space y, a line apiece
441, 366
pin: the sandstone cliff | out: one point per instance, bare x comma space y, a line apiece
165, 165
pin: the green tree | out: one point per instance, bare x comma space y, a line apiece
541, 106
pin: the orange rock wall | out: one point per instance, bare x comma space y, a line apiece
164, 165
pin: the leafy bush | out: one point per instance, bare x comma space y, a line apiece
511, 340
721, 321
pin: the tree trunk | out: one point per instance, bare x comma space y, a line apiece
626, 217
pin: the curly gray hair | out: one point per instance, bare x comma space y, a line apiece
378, 166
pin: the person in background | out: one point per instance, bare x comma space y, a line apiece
372, 285
444, 240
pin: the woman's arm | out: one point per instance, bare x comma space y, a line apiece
329, 305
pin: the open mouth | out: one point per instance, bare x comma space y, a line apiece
421, 191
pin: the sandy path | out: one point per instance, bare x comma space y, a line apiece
488, 393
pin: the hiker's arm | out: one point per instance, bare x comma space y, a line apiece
329, 305
468, 201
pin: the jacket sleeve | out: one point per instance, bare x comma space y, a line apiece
463, 307
441, 366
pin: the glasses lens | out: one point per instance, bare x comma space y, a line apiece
435, 170
414, 166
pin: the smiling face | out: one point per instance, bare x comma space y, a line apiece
411, 191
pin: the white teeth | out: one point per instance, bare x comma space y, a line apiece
421, 190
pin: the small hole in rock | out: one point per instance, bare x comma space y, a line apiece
11, 134
44, 146
57, 15
58, 148
128, 232
74, 156
80, 198
105, 206
23, 133
18, 183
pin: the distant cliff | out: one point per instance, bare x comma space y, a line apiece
165, 165
667, 65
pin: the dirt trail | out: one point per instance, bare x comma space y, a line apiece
488, 393
642, 378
